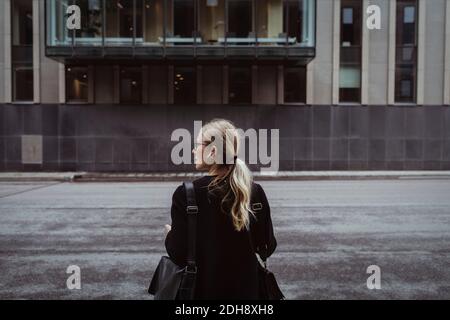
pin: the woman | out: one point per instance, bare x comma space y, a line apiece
225, 251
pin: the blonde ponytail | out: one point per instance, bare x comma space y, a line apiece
241, 183
237, 177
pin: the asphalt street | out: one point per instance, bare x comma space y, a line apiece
328, 233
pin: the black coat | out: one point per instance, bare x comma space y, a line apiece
227, 265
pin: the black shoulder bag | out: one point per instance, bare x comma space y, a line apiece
170, 281
268, 286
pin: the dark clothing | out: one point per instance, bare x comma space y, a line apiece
227, 265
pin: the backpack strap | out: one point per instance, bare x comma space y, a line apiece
191, 211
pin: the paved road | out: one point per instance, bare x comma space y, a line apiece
329, 232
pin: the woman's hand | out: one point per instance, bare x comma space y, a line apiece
167, 228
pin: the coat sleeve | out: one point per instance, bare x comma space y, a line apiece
176, 239
268, 233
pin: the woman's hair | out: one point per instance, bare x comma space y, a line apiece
234, 183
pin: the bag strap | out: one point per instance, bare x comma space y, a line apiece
257, 205
191, 211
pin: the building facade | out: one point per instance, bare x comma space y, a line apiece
106, 95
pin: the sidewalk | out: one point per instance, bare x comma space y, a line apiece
282, 175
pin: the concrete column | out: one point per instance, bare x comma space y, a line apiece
145, 85
62, 83
116, 84
91, 84
365, 49
392, 50
336, 49
254, 84
170, 93
421, 52
225, 84
310, 83
447, 55
7, 43
199, 84
36, 53
280, 84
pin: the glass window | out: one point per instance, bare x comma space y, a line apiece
153, 21
240, 85
77, 80
350, 53
22, 22
131, 85
212, 21
350, 83
299, 22
91, 23
185, 85
293, 14
351, 23
347, 15
240, 21
295, 84
120, 25
23, 82
406, 55
184, 18
22, 50
270, 22
409, 15
57, 33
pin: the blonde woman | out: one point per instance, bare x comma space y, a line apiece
228, 227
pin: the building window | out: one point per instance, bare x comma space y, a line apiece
240, 19
295, 84
240, 85
131, 85
120, 23
91, 22
185, 85
211, 21
77, 84
350, 55
293, 19
22, 50
406, 54
184, 18
153, 21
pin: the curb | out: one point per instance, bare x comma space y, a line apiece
161, 177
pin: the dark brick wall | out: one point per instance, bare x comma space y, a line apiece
137, 138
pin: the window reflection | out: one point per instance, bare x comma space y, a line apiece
57, 33
131, 85
22, 50
295, 85
240, 85
77, 84
152, 21
212, 21
406, 57
119, 23
185, 85
270, 22
91, 23
350, 55
240, 22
